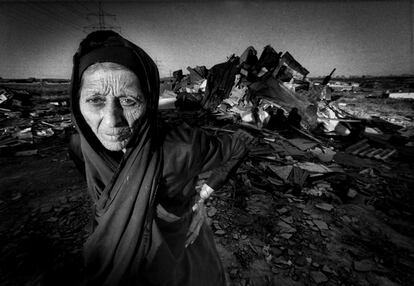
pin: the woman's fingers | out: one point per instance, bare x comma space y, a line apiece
197, 204
196, 223
193, 235
197, 217
165, 215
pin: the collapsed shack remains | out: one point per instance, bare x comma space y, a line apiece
30, 119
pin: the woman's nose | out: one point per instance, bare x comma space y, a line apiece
113, 114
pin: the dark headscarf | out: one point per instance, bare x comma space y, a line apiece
123, 191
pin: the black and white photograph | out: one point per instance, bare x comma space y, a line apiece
207, 143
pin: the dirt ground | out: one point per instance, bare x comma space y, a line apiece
44, 211
265, 237
358, 232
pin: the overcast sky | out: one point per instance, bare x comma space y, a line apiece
38, 39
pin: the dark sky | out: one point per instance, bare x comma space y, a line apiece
38, 39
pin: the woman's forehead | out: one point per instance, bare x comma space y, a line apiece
109, 73
105, 66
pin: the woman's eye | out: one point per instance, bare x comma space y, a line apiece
95, 100
127, 101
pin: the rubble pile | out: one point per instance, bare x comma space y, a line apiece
247, 86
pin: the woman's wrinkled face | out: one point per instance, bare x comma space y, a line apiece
112, 102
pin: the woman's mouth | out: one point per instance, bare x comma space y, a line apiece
116, 137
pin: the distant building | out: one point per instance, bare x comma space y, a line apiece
340, 86
402, 95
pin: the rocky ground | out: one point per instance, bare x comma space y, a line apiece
288, 217
268, 231
44, 211
287, 239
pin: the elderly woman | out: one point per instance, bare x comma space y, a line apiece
141, 174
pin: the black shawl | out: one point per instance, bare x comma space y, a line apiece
123, 190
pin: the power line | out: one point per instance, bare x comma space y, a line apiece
84, 6
60, 17
22, 18
69, 7
51, 15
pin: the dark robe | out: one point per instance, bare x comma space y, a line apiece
129, 245
187, 153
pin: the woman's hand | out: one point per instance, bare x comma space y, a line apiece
197, 221
199, 215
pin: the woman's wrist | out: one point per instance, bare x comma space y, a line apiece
205, 192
